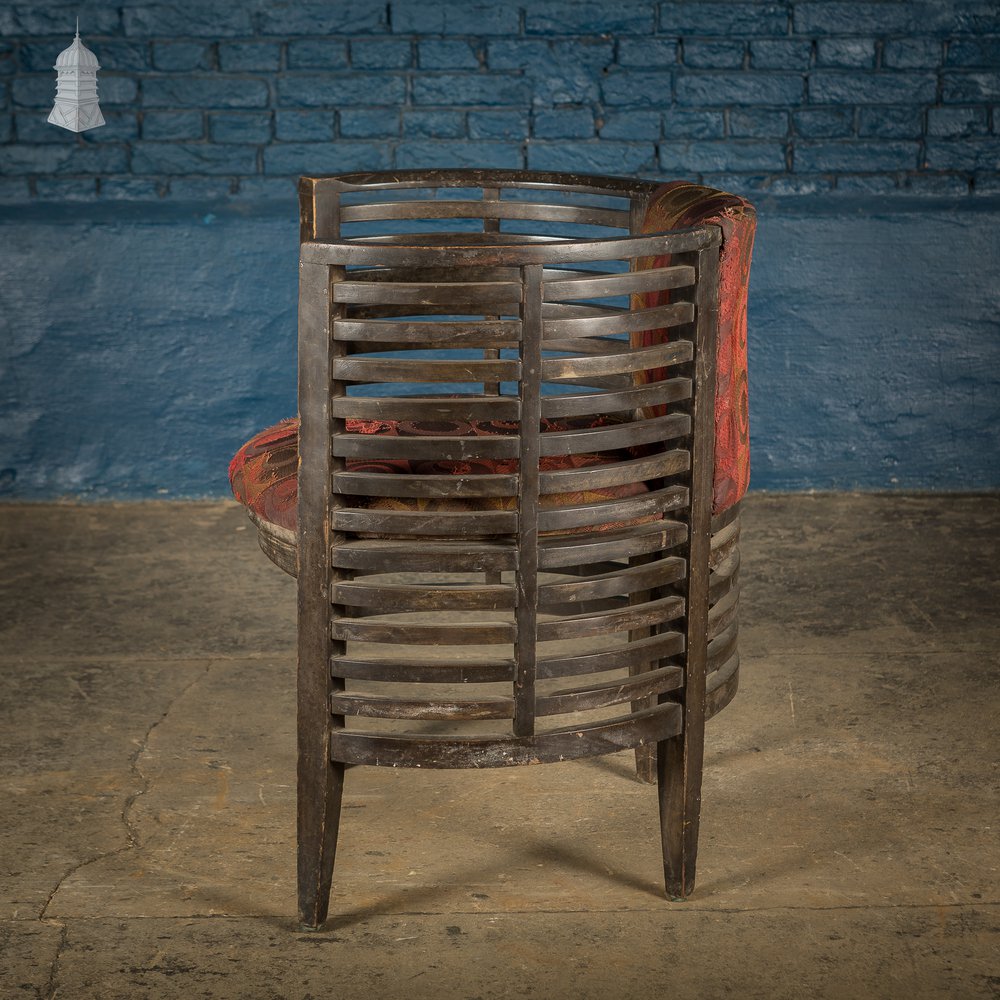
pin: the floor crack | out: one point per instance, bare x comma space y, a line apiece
50, 986
142, 780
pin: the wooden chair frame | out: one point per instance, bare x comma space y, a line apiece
670, 585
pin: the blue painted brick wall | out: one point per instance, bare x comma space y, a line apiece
799, 96
148, 273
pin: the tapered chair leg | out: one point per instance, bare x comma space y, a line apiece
678, 773
645, 755
645, 763
320, 794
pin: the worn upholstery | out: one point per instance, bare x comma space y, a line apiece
263, 473
679, 205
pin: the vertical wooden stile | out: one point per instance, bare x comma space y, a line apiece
680, 759
526, 613
645, 756
320, 782
489, 354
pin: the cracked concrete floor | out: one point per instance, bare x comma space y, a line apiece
849, 830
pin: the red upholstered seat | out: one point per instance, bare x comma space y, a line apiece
263, 473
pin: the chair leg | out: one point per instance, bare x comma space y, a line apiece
645, 756
678, 773
645, 763
321, 789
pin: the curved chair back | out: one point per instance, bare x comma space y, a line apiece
505, 545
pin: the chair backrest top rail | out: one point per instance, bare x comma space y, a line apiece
470, 253
623, 187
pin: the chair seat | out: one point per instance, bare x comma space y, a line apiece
263, 474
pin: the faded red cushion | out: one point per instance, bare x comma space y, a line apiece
263, 473
676, 206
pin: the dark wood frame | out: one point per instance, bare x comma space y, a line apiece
680, 574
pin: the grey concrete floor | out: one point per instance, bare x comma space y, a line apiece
849, 830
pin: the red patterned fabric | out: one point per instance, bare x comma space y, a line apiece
675, 206
263, 473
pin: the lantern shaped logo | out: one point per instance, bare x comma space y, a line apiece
76, 106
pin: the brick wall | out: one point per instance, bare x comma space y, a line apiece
236, 98
144, 337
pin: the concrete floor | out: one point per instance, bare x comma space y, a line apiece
849, 828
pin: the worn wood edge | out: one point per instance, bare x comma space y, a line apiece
424, 555
722, 686
558, 551
423, 633
586, 286
610, 736
417, 669
462, 407
421, 250
484, 209
579, 698
277, 543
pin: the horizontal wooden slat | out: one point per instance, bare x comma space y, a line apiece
444, 333
447, 311
610, 383
378, 555
583, 346
381, 707
567, 550
449, 524
599, 512
724, 536
580, 404
645, 576
721, 686
481, 271
450, 449
587, 697
591, 287
566, 743
627, 359
420, 294
441, 486
487, 208
636, 470
723, 672
356, 348
725, 542
412, 668
724, 577
722, 614
354, 369
426, 597
623, 619
726, 518
442, 249
422, 633
445, 241
461, 177
635, 653
722, 647
626, 321
616, 436
581, 310
467, 407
